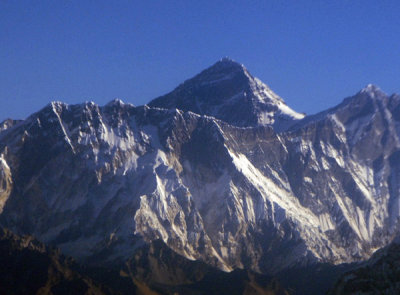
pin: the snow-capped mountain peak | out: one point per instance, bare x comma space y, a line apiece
226, 60
373, 91
115, 101
227, 91
370, 88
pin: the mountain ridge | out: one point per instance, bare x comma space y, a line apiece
98, 182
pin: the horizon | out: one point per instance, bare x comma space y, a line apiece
369, 85
221, 59
313, 55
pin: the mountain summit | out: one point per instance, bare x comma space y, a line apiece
227, 91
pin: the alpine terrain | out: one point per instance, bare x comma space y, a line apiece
220, 171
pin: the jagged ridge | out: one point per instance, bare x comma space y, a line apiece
100, 181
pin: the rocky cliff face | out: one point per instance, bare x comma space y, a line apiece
98, 182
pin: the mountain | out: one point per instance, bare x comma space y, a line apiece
101, 182
7, 124
29, 267
167, 272
379, 275
227, 91
351, 174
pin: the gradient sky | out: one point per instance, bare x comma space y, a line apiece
311, 53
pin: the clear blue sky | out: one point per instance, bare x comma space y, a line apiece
312, 53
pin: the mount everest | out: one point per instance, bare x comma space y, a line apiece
220, 169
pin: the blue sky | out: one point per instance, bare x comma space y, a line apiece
312, 53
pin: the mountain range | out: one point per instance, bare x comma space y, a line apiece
220, 171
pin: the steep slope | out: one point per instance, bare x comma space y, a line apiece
344, 166
227, 91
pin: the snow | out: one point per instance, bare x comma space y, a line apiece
223, 78
57, 108
307, 179
265, 95
165, 198
116, 102
326, 222
266, 118
284, 109
332, 153
373, 91
4, 165
273, 192
5, 182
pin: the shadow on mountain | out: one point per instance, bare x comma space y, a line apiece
29, 267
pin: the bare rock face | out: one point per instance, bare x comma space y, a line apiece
98, 182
